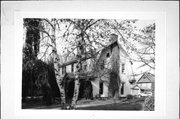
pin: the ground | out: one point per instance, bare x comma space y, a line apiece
95, 104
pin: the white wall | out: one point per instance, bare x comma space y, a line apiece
126, 75
95, 86
105, 89
68, 68
148, 85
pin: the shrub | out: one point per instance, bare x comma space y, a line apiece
38, 79
129, 96
149, 103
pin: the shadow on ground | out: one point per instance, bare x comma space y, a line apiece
109, 104
115, 106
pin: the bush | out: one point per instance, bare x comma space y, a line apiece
129, 96
149, 103
38, 79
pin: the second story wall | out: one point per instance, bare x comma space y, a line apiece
87, 66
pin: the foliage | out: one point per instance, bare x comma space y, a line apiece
31, 48
30, 51
87, 90
129, 96
133, 81
82, 38
39, 79
140, 43
149, 104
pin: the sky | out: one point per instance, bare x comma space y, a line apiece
61, 44
142, 23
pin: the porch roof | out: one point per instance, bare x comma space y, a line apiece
84, 75
140, 87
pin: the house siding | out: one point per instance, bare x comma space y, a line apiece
95, 86
125, 75
110, 57
68, 69
145, 81
148, 85
116, 58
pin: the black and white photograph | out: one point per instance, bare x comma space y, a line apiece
89, 60
88, 64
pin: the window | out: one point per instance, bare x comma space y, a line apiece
85, 67
63, 70
123, 68
101, 88
102, 65
108, 55
72, 67
122, 89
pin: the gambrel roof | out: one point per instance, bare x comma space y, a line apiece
146, 78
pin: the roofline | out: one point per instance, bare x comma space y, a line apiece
120, 46
81, 76
144, 82
74, 61
146, 76
139, 87
85, 58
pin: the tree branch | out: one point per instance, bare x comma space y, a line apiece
49, 23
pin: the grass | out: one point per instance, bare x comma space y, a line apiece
115, 106
38, 102
96, 104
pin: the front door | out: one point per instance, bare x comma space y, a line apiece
122, 89
101, 88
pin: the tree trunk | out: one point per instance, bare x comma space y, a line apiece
76, 92
76, 84
59, 78
80, 53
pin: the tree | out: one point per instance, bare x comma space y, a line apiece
84, 38
54, 25
31, 48
147, 53
83, 50
36, 73
30, 51
140, 43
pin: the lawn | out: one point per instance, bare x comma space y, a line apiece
115, 106
96, 104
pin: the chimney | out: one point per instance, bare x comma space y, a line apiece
113, 38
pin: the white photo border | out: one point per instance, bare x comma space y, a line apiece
160, 95
166, 16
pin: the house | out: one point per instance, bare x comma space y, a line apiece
68, 70
110, 78
113, 58
144, 84
146, 80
